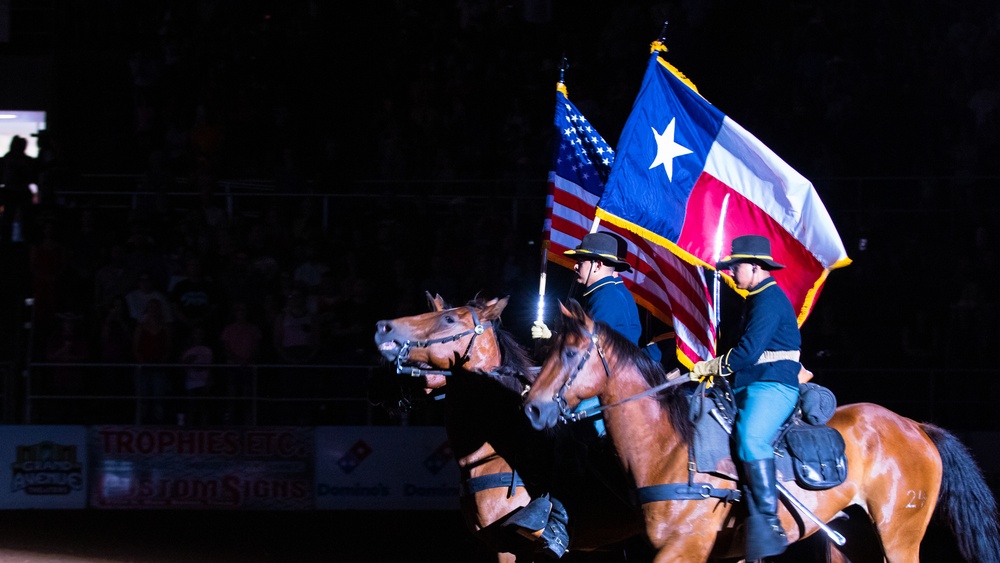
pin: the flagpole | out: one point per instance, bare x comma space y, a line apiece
719, 233
540, 313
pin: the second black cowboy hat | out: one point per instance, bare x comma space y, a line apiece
750, 248
609, 248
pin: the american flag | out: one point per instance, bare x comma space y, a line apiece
672, 290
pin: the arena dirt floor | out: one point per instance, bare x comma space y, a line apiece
79, 536
153, 536
119, 536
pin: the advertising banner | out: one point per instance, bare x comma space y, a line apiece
385, 468
259, 468
43, 467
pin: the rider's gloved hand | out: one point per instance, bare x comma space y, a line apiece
707, 368
539, 330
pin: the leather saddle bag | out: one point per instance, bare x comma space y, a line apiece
817, 453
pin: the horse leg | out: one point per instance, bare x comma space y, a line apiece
684, 530
902, 498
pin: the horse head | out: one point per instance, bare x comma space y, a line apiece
428, 344
575, 370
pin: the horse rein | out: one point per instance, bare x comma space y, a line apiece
560, 399
404, 352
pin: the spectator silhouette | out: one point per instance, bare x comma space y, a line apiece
18, 172
243, 282
241, 342
308, 272
68, 345
198, 356
53, 170
144, 291
48, 261
296, 343
295, 330
117, 328
194, 299
152, 345
86, 245
115, 347
111, 278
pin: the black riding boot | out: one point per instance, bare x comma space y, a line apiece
530, 520
765, 536
555, 535
543, 520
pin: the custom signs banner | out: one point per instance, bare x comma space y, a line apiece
211, 468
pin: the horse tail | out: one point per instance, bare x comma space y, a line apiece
965, 502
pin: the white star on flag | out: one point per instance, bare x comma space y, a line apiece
667, 150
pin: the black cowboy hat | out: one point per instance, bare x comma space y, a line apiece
750, 248
609, 248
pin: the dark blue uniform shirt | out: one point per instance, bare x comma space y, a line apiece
609, 301
769, 323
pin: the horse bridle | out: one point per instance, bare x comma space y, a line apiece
569, 416
560, 398
404, 352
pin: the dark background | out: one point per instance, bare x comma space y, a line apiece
847, 89
890, 108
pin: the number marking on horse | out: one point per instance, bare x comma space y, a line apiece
917, 498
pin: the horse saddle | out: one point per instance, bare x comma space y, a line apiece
806, 449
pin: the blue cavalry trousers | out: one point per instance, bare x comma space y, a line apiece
762, 407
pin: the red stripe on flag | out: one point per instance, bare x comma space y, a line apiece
662, 272
743, 217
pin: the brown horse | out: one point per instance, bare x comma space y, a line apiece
502, 460
899, 471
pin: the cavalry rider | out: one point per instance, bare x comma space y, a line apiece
600, 257
765, 365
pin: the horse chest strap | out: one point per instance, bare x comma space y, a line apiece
505, 479
684, 491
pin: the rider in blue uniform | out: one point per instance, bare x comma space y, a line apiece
765, 366
600, 258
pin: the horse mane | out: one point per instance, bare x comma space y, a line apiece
515, 359
674, 399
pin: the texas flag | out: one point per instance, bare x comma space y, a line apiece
679, 157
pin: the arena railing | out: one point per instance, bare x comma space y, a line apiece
255, 395
331, 395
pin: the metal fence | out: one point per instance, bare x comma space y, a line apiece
266, 395
324, 395
890, 227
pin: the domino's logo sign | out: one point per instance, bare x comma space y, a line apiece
354, 456
440, 457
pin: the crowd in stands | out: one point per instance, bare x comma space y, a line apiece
271, 93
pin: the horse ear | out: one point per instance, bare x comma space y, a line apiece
494, 307
436, 302
574, 311
565, 311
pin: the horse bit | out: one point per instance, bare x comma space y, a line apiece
560, 398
